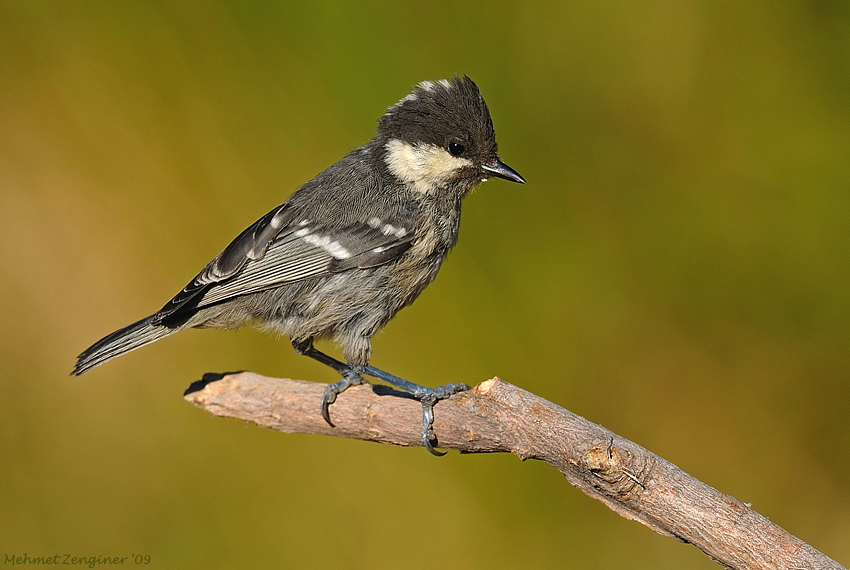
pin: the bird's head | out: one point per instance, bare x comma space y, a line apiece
440, 136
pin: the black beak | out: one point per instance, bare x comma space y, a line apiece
498, 168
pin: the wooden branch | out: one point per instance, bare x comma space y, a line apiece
498, 417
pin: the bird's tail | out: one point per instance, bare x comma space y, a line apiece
121, 342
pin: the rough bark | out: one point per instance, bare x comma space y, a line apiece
498, 417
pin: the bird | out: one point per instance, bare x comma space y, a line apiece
348, 249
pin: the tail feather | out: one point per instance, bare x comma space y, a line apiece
120, 342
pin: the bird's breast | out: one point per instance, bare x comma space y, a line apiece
437, 235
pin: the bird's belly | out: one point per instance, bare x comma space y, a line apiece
355, 302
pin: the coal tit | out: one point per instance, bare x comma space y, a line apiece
350, 248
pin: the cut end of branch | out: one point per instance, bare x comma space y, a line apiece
486, 386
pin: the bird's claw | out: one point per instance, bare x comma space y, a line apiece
448, 390
337, 388
428, 425
432, 397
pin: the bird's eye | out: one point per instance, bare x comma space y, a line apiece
456, 149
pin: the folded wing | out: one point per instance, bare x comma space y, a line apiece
281, 248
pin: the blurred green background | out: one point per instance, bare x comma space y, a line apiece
676, 270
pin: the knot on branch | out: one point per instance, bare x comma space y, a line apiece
612, 464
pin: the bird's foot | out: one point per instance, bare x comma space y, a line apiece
428, 396
432, 396
350, 378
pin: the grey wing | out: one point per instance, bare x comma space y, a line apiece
265, 256
251, 244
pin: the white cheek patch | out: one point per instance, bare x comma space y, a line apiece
425, 166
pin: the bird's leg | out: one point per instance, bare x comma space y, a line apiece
350, 377
428, 397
